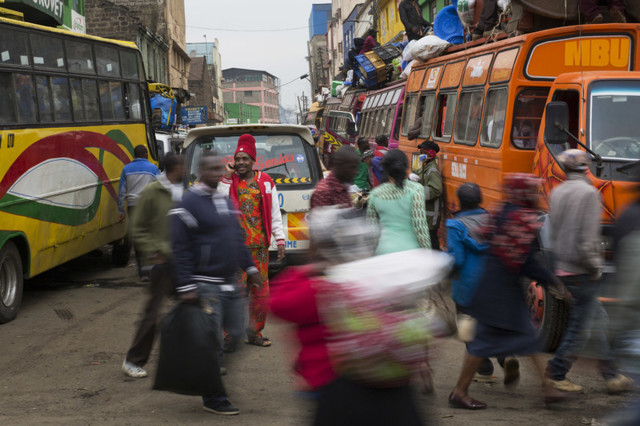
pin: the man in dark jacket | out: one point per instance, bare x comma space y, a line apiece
208, 250
411, 16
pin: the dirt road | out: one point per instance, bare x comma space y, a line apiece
60, 364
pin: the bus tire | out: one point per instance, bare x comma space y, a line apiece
11, 282
121, 253
549, 316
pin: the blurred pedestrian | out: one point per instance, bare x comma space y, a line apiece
334, 189
503, 325
150, 225
415, 25
592, 13
257, 198
469, 248
367, 158
133, 179
488, 19
382, 145
208, 250
398, 206
430, 178
362, 177
576, 240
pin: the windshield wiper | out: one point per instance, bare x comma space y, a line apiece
628, 165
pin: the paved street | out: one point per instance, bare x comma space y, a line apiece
60, 364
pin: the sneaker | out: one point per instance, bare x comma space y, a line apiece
132, 370
617, 16
597, 20
564, 385
619, 384
484, 378
511, 371
224, 408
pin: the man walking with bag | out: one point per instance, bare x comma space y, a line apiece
208, 250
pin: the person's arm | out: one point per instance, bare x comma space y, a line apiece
224, 186
145, 239
419, 220
277, 227
414, 132
589, 246
433, 186
455, 237
122, 192
183, 226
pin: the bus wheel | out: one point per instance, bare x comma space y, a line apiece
121, 252
548, 314
11, 282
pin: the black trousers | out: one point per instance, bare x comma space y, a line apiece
435, 241
488, 17
160, 287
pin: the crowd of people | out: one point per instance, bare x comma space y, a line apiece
210, 243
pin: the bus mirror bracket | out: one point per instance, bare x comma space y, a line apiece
555, 130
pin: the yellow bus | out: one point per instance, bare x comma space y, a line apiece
72, 109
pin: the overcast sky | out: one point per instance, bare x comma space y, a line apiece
234, 24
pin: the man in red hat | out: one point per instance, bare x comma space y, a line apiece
256, 196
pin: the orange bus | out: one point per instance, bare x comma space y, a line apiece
484, 105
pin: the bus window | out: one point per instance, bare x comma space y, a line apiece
13, 48
445, 111
7, 111
572, 99
134, 101
90, 95
396, 96
47, 52
410, 110
468, 117
396, 128
427, 115
494, 115
129, 64
79, 57
107, 61
61, 101
105, 101
116, 99
387, 127
527, 116
43, 91
76, 99
26, 98
383, 121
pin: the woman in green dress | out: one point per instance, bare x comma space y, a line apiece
398, 208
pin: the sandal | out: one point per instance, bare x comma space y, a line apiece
258, 340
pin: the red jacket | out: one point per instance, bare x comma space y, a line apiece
369, 43
271, 216
293, 298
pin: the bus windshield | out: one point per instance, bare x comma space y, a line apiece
614, 126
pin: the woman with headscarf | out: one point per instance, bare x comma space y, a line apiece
398, 206
503, 325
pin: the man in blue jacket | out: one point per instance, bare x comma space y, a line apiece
208, 250
467, 246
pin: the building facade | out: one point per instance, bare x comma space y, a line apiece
67, 14
317, 46
340, 10
201, 89
253, 87
349, 30
390, 27
214, 63
242, 113
319, 19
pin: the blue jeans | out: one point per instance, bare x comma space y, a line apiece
228, 309
585, 310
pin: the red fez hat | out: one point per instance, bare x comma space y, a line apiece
247, 144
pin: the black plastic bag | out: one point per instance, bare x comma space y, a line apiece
188, 361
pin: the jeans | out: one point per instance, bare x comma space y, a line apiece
227, 311
160, 287
583, 309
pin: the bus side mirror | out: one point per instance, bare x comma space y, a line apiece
556, 123
351, 129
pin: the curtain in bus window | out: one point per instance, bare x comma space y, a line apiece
468, 117
117, 99
494, 116
61, 101
527, 115
43, 92
13, 48
134, 103
427, 114
108, 61
79, 57
7, 110
47, 52
445, 113
77, 100
90, 96
410, 110
129, 64
25, 95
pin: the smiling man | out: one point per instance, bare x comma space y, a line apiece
256, 196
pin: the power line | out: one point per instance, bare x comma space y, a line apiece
247, 30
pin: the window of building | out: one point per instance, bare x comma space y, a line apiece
527, 116
248, 93
443, 119
468, 117
494, 115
